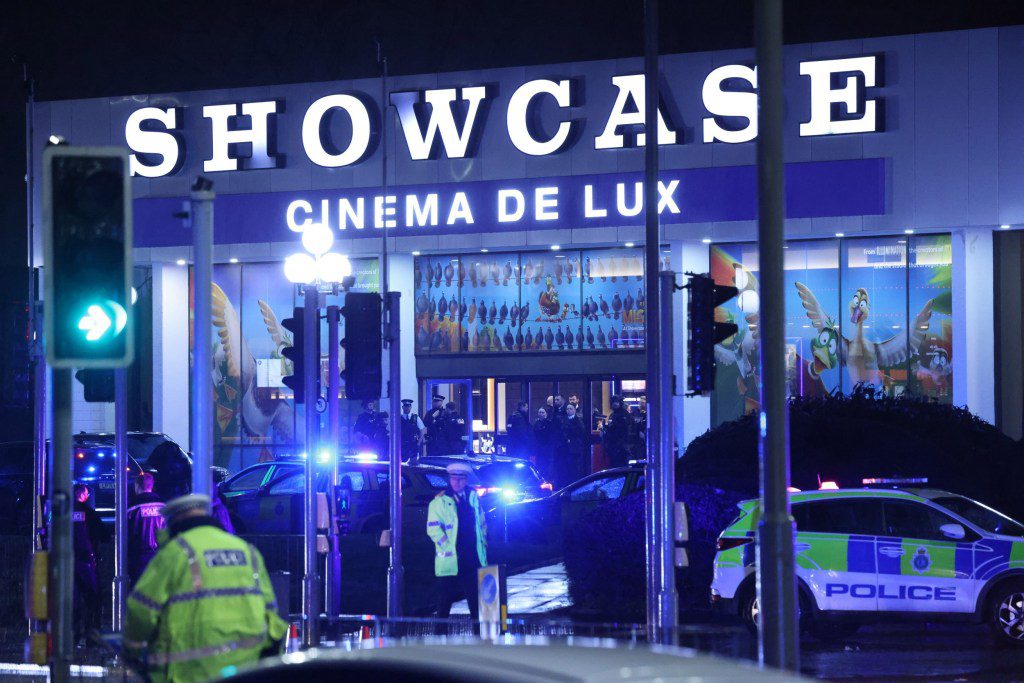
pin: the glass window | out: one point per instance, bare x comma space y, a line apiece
873, 313
914, 520
981, 515
436, 481
291, 484
613, 300
384, 480
248, 480
438, 313
550, 313
490, 303
605, 488
814, 346
353, 480
737, 362
930, 290
839, 516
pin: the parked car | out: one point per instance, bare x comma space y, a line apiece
542, 522
267, 498
94, 467
867, 556
502, 479
154, 452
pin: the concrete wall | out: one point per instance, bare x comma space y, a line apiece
171, 352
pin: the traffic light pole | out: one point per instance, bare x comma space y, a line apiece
662, 614
333, 382
62, 554
310, 375
396, 570
120, 496
202, 351
776, 584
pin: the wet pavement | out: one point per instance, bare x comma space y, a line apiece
913, 651
533, 592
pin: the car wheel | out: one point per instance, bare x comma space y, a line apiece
750, 609
1006, 613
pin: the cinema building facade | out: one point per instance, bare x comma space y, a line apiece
512, 204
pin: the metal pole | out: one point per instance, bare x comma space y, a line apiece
657, 602
668, 599
310, 374
62, 554
202, 352
38, 434
776, 585
333, 382
36, 355
396, 572
120, 496
392, 338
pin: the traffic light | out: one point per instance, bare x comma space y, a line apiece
294, 353
98, 383
704, 332
363, 345
87, 230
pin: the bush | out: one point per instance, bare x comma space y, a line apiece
848, 438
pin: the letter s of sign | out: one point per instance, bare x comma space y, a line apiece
314, 131
517, 116
731, 103
145, 142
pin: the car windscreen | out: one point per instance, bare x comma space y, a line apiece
141, 446
508, 475
981, 515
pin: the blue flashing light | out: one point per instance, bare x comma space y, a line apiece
509, 494
323, 457
91, 468
101, 454
366, 457
520, 465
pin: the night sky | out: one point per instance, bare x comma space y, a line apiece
95, 49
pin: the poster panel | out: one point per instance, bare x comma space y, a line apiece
613, 304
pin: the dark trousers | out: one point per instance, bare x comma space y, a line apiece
451, 589
87, 599
136, 565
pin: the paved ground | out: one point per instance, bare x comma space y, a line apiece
533, 592
903, 652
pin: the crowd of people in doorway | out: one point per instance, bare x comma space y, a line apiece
557, 439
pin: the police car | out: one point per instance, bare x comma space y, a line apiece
869, 555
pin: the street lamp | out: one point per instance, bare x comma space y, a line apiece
320, 265
316, 270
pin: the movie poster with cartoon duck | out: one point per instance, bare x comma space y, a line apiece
862, 311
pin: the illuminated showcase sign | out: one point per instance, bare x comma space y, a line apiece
449, 121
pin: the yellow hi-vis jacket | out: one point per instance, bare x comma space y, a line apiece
443, 529
204, 603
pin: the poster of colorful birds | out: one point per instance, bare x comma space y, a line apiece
873, 311
555, 301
